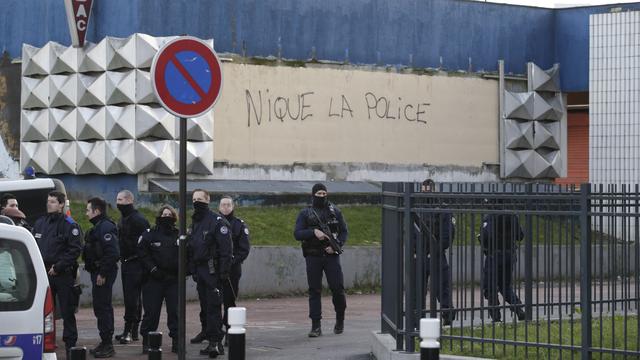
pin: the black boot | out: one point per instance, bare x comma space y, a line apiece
124, 338
212, 346
216, 349
106, 351
316, 329
199, 338
134, 331
519, 313
495, 316
448, 315
339, 327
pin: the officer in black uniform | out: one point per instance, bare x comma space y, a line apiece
101, 255
437, 231
59, 239
158, 250
131, 225
210, 251
319, 256
241, 248
498, 238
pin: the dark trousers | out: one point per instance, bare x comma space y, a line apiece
330, 265
498, 273
154, 292
440, 279
211, 302
62, 289
132, 281
102, 307
230, 290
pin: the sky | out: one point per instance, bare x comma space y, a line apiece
559, 3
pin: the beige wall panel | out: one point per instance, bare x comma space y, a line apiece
323, 115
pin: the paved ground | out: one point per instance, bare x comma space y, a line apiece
277, 329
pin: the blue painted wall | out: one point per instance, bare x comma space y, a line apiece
82, 187
369, 31
365, 31
572, 43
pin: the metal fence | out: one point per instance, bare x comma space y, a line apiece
575, 269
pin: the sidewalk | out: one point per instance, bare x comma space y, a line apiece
277, 329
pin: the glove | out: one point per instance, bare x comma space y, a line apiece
224, 276
157, 274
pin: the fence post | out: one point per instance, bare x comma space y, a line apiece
409, 271
528, 257
155, 345
430, 333
236, 333
585, 270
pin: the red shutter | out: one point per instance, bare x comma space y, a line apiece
577, 148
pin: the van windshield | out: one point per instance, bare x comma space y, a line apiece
17, 276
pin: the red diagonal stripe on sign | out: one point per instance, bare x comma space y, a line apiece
187, 76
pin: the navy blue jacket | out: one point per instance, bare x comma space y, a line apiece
440, 226
210, 238
240, 236
158, 247
60, 241
500, 232
130, 227
307, 222
101, 250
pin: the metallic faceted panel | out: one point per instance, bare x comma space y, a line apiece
545, 80
92, 110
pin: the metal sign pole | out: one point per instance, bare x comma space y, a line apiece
182, 263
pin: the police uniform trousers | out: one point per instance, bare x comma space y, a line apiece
230, 290
210, 303
498, 274
132, 281
62, 290
330, 265
154, 292
102, 307
440, 279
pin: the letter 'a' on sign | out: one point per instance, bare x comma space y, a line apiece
186, 77
78, 12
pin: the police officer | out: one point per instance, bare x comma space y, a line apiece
498, 238
59, 239
210, 254
131, 225
320, 256
437, 231
101, 255
158, 249
241, 247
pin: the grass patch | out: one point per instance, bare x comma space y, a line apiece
273, 225
608, 333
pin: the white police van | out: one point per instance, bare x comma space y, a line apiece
31, 194
27, 325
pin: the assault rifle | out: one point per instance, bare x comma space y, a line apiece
331, 239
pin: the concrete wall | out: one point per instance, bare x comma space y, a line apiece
283, 115
271, 270
280, 270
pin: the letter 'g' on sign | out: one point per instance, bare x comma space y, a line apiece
186, 77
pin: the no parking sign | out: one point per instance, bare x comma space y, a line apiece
186, 77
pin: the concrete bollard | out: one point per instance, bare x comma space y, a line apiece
155, 346
236, 333
430, 334
78, 353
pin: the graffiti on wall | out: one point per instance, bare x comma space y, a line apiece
264, 105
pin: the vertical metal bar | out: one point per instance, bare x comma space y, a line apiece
585, 270
182, 249
528, 254
409, 270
